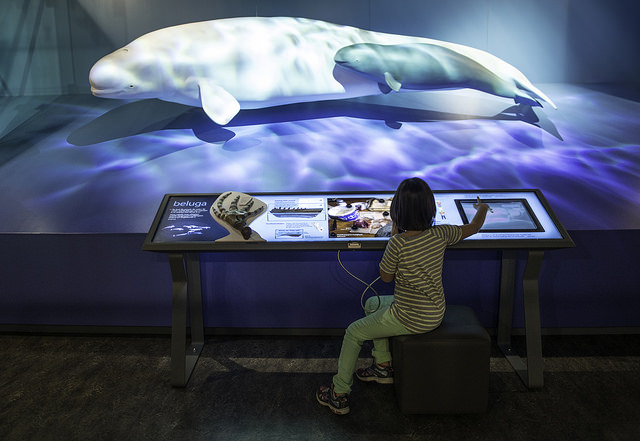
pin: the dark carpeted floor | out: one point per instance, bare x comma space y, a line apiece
262, 388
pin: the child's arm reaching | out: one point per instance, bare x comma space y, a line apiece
478, 220
385, 276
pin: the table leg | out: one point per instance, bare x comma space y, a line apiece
185, 272
530, 372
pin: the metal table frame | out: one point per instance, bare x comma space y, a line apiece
184, 259
187, 313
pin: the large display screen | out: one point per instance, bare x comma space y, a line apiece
77, 166
518, 219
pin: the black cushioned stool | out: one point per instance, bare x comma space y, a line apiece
444, 371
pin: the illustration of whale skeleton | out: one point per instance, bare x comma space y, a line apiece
231, 64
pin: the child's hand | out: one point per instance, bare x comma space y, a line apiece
478, 219
479, 204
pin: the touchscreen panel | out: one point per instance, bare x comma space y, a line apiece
334, 217
505, 215
325, 218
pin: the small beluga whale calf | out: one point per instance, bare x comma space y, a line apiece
239, 63
428, 66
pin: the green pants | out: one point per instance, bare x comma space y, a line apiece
378, 325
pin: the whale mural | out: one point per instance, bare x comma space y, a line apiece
239, 63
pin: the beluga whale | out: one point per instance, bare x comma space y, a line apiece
428, 66
239, 63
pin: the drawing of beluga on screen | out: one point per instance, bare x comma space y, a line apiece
231, 64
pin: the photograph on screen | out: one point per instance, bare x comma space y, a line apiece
287, 208
359, 217
505, 215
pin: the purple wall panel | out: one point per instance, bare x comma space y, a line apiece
106, 280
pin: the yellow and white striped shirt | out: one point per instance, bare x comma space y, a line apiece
416, 262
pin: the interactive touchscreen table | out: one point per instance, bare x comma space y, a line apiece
187, 224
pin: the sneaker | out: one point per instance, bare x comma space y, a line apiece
327, 397
377, 373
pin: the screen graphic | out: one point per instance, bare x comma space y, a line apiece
504, 215
324, 217
187, 219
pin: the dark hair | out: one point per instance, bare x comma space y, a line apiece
413, 206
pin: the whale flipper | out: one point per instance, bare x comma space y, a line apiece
394, 84
217, 103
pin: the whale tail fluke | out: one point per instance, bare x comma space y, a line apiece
531, 95
520, 98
